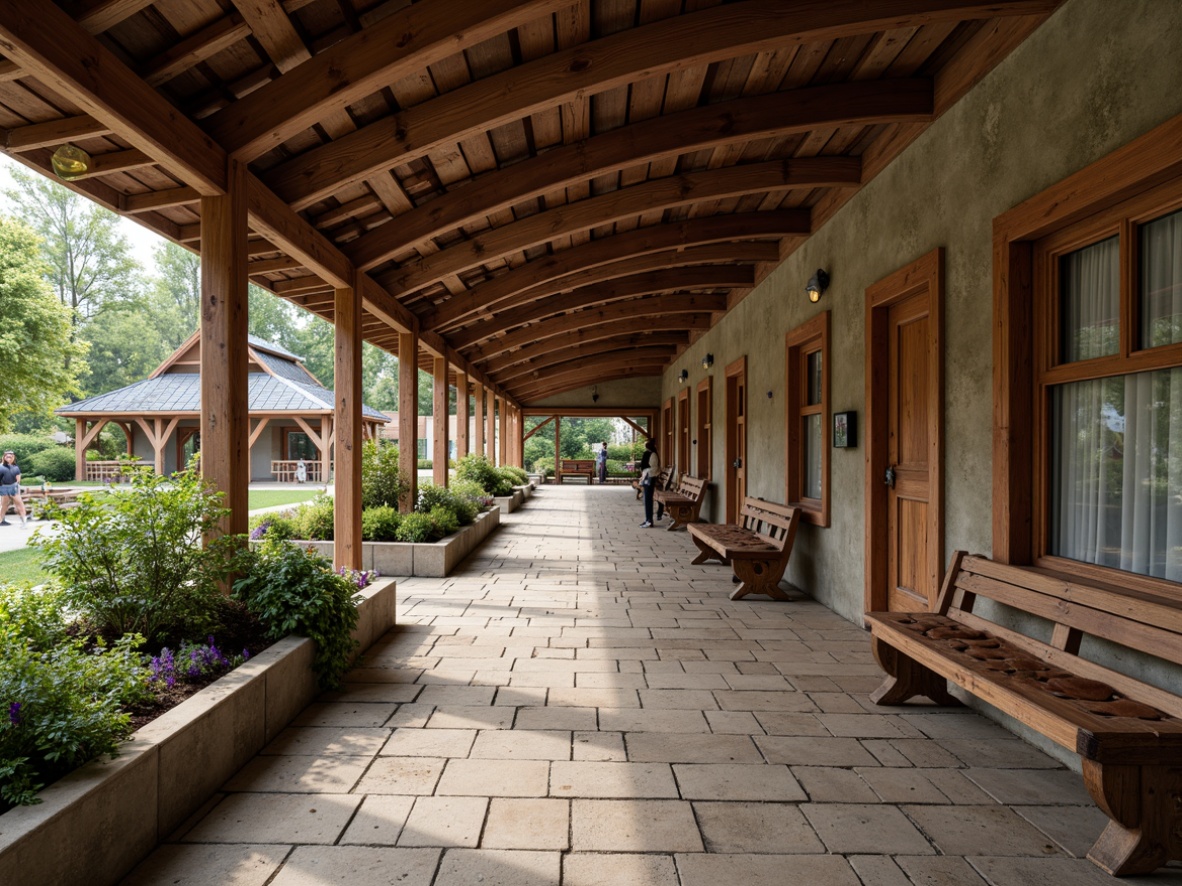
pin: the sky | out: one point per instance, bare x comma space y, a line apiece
141, 239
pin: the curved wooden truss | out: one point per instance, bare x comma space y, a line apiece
503, 182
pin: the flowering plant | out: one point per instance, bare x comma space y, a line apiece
362, 578
191, 662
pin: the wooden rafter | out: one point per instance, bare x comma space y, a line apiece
664, 343
578, 339
53, 132
581, 378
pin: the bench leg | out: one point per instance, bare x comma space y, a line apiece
705, 553
1145, 805
906, 678
758, 577
679, 515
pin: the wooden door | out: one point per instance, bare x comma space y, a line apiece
903, 458
683, 432
736, 439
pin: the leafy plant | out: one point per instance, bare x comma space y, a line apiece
416, 527
133, 562
380, 524
55, 463
381, 481
278, 526
315, 519
515, 476
292, 590
480, 470
34, 614
24, 445
444, 519
193, 661
471, 493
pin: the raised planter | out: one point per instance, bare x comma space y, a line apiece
97, 823
427, 559
510, 503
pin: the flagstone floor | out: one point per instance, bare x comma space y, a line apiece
577, 705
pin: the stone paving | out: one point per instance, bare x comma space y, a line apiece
579, 706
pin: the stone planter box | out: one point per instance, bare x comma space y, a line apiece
429, 559
97, 823
510, 503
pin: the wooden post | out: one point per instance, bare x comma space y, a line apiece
347, 386
461, 414
490, 437
439, 410
326, 448
158, 446
225, 421
408, 417
557, 449
79, 449
502, 433
478, 420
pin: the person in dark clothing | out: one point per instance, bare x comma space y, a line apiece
650, 467
601, 463
10, 488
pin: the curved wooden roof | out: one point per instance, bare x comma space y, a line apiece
546, 190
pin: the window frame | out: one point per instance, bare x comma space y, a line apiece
684, 428
809, 338
1140, 181
704, 455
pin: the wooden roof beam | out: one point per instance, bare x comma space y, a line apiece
580, 378
53, 132
573, 361
478, 302
671, 341
649, 196
276, 34
407, 41
146, 202
44, 41
576, 339
97, 16
116, 161
195, 48
673, 280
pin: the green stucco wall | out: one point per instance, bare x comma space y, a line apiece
1096, 75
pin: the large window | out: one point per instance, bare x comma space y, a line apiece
1108, 349
806, 352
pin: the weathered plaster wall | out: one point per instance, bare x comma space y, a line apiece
1092, 78
622, 392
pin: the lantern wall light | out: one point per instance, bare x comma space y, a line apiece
817, 284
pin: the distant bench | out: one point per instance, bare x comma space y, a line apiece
664, 477
576, 467
758, 550
1127, 733
685, 503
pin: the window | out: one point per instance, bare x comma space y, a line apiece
808, 418
299, 445
1108, 349
705, 410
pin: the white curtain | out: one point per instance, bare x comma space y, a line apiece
1090, 299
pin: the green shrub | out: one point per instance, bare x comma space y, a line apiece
472, 493
464, 508
130, 562
314, 520
516, 475
279, 526
380, 524
24, 445
544, 466
425, 464
381, 482
33, 613
55, 464
295, 591
415, 527
480, 470
62, 708
431, 495
445, 520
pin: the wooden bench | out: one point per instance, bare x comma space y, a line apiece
577, 467
683, 504
758, 550
664, 477
1127, 733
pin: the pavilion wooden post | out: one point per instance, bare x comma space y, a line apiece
461, 414
326, 448
490, 437
79, 449
347, 385
225, 420
478, 419
408, 418
557, 448
439, 411
502, 432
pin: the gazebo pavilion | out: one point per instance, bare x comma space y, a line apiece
616, 205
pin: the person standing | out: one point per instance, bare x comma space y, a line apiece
650, 466
601, 463
10, 488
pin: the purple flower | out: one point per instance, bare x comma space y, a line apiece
14, 714
245, 654
260, 531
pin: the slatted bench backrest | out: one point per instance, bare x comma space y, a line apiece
1128, 617
691, 487
572, 465
774, 523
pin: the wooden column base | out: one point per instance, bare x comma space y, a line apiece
906, 678
1145, 805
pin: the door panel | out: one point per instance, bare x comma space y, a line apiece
736, 438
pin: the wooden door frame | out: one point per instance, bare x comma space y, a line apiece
731, 508
683, 432
927, 271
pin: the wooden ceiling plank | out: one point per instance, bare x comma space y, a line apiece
408, 40
724, 229
274, 265
668, 342
674, 191
276, 34
54, 132
197, 47
557, 384
98, 16
669, 136
283, 227
137, 203
605, 353
50, 46
578, 339
116, 161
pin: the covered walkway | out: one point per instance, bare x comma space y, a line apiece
578, 706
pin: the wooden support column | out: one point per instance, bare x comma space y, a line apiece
326, 448
225, 420
408, 418
557, 449
461, 414
439, 411
478, 419
79, 449
347, 386
503, 431
490, 437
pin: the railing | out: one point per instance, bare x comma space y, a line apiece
287, 470
111, 471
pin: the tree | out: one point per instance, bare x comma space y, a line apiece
124, 347
175, 295
39, 359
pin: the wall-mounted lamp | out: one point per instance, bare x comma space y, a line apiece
817, 284
594, 393
70, 162
707, 361
684, 376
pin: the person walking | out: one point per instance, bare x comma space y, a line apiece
601, 463
10, 488
650, 466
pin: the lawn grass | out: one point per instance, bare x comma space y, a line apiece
21, 565
269, 498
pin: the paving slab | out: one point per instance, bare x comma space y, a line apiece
358, 866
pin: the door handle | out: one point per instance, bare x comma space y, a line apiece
889, 477
737, 463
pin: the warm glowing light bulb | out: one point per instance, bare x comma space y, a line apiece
70, 162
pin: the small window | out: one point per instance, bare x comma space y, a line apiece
1161, 281
1089, 300
808, 416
